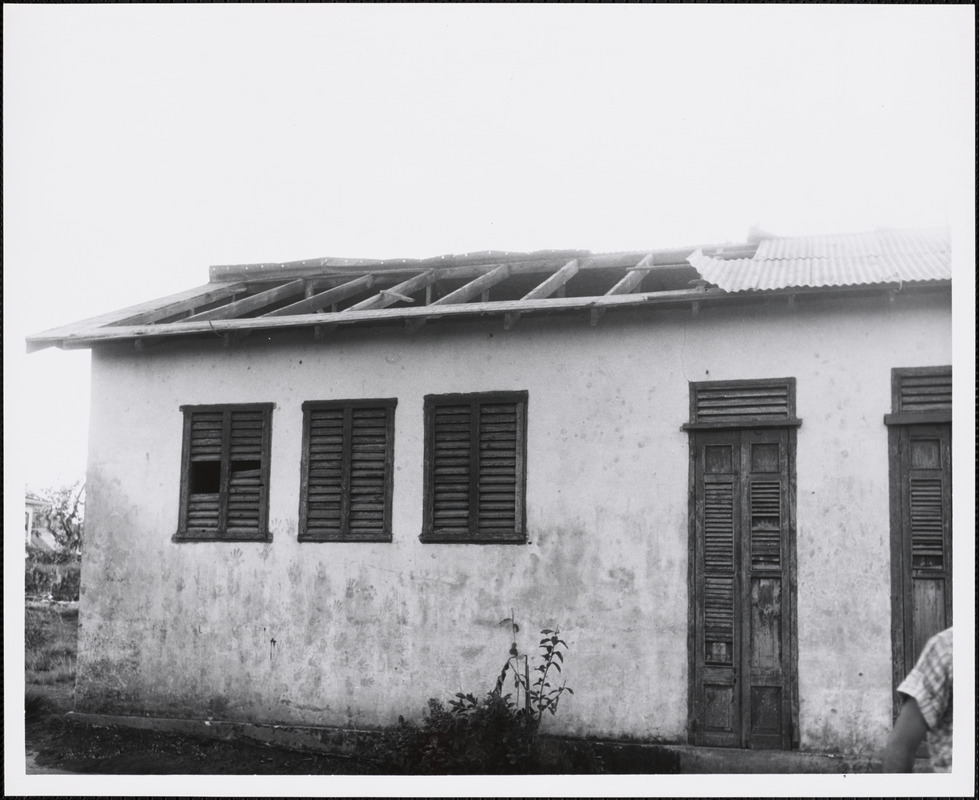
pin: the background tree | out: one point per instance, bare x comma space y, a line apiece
65, 514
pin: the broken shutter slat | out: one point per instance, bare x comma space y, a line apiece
224, 482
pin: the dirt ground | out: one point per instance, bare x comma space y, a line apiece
71, 747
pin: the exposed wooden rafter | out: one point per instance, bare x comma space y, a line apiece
387, 297
474, 287
197, 300
466, 292
78, 336
253, 303
627, 285
320, 301
545, 289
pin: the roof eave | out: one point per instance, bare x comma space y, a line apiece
77, 337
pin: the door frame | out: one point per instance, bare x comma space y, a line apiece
784, 417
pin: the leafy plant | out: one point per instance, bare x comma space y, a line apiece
540, 695
495, 733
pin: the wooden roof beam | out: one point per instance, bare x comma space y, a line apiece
78, 336
474, 287
197, 300
320, 301
388, 297
546, 289
246, 304
465, 293
627, 285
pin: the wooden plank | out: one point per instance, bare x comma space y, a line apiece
471, 289
546, 289
252, 303
551, 284
85, 337
165, 306
627, 285
390, 296
323, 299
471, 265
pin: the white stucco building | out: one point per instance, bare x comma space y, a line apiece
316, 489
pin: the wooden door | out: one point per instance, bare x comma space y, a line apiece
742, 540
925, 459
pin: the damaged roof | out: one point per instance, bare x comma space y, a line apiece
857, 259
327, 293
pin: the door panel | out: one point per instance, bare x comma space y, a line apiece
741, 531
926, 538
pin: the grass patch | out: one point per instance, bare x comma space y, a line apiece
51, 645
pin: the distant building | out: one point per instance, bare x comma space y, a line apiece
37, 533
315, 489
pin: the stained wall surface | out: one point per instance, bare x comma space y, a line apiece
356, 634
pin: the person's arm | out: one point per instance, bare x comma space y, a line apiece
902, 745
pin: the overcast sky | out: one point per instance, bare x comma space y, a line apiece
144, 143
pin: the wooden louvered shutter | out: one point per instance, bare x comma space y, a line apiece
742, 403
246, 495
717, 589
920, 450
452, 469
205, 435
475, 467
927, 512
498, 511
765, 622
347, 471
742, 688
224, 485
921, 391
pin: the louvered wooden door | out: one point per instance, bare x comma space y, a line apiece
742, 636
926, 472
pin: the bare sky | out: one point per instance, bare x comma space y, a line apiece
144, 143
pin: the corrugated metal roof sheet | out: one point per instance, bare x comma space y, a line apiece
885, 256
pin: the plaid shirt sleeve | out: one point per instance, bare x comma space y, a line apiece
930, 682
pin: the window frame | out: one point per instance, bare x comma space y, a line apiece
221, 533
389, 405
429, 534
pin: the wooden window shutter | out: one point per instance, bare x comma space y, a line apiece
475, 467
245, 480
347, 471
742, 403
202, 510
719, 567
922, 390
452, 472
224, 485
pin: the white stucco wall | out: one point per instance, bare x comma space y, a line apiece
365, 632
